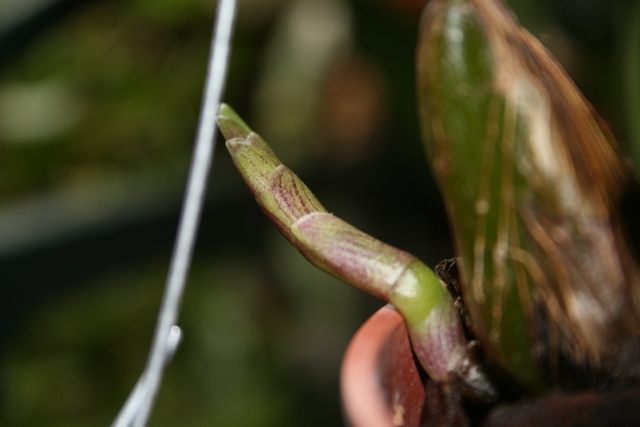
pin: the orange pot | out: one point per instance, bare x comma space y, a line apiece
382, 386
380, 382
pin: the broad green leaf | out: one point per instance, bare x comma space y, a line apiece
532, 182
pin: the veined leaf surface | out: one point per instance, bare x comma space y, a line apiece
532, 183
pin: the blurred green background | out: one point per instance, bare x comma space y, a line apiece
99, 102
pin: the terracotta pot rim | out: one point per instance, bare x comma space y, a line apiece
380, 383
364, 366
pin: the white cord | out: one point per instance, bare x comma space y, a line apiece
137, 409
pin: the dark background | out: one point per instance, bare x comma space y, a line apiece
99, 103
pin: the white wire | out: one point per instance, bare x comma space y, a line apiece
137, 409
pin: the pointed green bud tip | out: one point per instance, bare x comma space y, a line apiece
230, 123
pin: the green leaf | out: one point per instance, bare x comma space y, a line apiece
531, 179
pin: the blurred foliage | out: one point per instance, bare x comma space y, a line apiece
128, 76
113, 89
